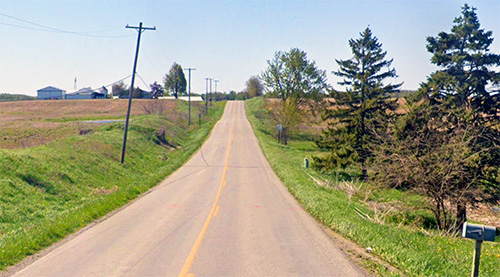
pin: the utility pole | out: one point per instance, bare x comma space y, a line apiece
216, 81
206, 94
139, 29
211, 91
189, 94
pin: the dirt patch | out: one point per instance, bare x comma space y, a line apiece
487, 214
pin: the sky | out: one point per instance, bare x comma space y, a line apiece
49, 42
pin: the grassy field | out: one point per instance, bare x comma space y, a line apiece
391, 222
73, 178
25, 124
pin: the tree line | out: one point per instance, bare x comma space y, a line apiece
174, 83
446, 143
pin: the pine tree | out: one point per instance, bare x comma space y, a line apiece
468, 67
358, 111
467, 86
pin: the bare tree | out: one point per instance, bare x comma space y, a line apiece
437, 155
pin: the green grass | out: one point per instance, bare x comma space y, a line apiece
415, 251
50, 191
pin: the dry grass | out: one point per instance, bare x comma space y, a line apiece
26, 124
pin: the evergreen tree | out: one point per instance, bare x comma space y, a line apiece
359, 110
175, 81
467, 89
468, 67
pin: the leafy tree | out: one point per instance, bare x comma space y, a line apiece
293, 78
175, 81
137, 93
291, 74
254, 87
356, 112
120, 89
156, 90
287, 114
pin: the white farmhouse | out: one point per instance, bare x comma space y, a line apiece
51, 93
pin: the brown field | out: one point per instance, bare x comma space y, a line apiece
26, 124
314, 124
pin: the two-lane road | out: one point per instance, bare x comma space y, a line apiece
224, 213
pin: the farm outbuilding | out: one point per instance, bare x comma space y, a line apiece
88, 93
51, 93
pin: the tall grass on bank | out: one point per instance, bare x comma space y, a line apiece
52, 190
415, 251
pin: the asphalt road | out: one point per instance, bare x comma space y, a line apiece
224, 213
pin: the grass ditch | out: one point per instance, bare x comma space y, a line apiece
352, 209
52, 190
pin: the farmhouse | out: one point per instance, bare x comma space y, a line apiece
51, 93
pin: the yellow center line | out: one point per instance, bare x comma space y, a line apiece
217, 211
190, 259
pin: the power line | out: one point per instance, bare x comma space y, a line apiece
28, 28
118, 81
151, 61
54, 30
142, 80
161, 44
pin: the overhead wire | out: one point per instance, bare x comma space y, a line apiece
55, 30
161, 45
147, 86
151, 61
26, 27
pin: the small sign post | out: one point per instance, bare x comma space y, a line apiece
279, 127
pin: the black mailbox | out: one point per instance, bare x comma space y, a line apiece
479, 232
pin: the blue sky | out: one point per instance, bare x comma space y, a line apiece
225, 40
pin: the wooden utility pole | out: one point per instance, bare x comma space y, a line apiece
189, 94
139, 29
215, 94
211, 91
206, 94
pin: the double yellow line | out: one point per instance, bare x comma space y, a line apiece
213, 212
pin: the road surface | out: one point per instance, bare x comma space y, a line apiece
224, 213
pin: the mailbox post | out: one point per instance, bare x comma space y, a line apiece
479, 233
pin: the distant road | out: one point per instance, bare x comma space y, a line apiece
224, 213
